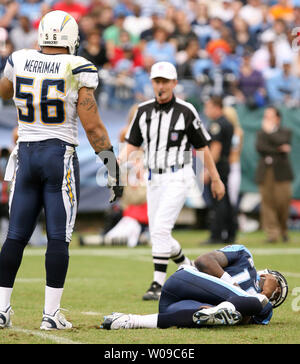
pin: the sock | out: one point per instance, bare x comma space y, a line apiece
5, 294
180, 259
160, 268
52, 300
159, 277
143, 321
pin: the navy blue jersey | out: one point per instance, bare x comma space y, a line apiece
241, 268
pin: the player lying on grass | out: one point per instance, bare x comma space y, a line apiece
227, 291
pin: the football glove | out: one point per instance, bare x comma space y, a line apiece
113, 180
116, 190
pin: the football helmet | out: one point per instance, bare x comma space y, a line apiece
59, 29
279, 296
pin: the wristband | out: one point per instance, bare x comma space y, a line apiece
227, 278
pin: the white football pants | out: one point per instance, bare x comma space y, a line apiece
166, 195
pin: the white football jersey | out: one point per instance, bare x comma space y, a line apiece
46, 92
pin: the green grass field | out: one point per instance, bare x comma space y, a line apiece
105, 279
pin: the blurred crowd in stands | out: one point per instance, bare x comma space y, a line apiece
245, 51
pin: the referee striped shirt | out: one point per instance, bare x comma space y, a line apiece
167, 132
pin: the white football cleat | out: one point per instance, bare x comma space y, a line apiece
116, 321
222, 314
5, 320
55, 322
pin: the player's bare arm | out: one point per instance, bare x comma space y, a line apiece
6, 89
98, 137
212, 263
88, 113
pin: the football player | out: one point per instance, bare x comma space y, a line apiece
50, 88
223, 288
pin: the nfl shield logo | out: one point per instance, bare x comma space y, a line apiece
174, 136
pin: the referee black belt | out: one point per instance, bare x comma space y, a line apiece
172, 169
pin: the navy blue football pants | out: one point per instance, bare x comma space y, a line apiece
186, 291
47, 176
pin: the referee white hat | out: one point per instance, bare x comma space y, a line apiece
164, 70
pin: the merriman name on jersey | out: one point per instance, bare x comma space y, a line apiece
35, 66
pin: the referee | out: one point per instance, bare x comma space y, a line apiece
167, 128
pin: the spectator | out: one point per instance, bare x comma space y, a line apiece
72, 7
250, 85
5, 52
265, 56
274, 42
94, 49
252, 12
119, 85
159, 48
148, 34
243, 38
296, 12
33, 10
282, 10
266, 22
150, 7
104, 17
124, 6
8, 12
224, 11
284, 88
274, 175
186, 58
217, 72
126, 50
136, 23
23, 35
111, 34
183, 32
143, 88
217, 27
201, 24
87, 24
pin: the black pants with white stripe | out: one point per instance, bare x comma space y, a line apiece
47, 176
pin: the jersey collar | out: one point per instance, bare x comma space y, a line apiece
167, 106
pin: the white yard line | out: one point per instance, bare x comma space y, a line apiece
42, 280
291, 274
130, 252
45, 336
92, 313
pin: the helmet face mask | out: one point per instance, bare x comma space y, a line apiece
279, 296
59, 29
